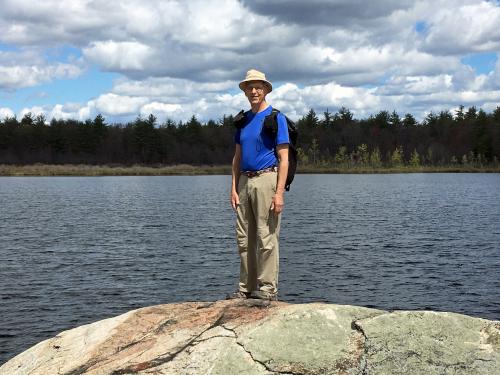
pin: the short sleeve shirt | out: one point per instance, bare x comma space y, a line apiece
258, 147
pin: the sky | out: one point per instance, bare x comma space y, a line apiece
175, 59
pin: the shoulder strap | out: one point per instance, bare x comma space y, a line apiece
271, 126
271, 123
240, 119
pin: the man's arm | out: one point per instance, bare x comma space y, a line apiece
278, 199
235, 200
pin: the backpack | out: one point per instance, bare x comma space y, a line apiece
271, 127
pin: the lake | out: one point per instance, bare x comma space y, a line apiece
75, 250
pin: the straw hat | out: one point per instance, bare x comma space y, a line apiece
255, 75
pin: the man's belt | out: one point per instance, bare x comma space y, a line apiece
251, 174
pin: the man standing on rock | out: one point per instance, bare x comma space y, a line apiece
259, 172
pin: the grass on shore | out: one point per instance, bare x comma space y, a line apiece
190, 170
402, 169
106, 170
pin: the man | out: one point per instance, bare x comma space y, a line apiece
259, 171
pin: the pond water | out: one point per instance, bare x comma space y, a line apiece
75, 250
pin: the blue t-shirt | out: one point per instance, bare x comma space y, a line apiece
257, 147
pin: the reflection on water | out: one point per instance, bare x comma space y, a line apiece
75, 250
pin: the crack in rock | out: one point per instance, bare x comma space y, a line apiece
363, 361
192, 342
262, 363
169, 356
85, 367
213, 337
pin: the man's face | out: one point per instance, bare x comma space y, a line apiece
255, 91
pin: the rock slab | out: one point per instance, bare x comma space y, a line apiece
256, 337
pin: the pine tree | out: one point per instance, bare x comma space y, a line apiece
327, 119
459, 114
394, 119
397, 157
313, 150
415, 159
311, 119
375, 158
345, 115
471, 113
409, 120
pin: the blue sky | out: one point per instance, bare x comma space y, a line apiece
482, 63
179, 58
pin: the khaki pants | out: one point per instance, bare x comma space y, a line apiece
257, 233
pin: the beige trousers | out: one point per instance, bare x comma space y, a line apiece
257, 233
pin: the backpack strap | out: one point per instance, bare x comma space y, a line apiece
240, 119
271, 123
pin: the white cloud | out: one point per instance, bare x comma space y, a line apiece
169, 88
293, 100
416, 85
35, 111
27, 69
313, 42
15, 77
121, 56
163, 110
181, 58
297, 101
6, 113
85, 113
61, 112
113, 104
467, 28
58, 111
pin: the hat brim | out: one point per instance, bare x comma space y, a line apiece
267, 83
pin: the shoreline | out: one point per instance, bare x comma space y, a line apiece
86, 170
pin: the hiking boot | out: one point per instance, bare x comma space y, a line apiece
258, 294
238, 295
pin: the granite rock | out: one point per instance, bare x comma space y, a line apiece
257, 337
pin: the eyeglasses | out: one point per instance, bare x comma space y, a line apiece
250, 88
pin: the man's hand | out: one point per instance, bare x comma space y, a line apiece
278, 203
235, 200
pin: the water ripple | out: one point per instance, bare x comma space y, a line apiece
76, 250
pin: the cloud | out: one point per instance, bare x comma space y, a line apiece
6, 113
162, 110
113, 104
27, 68
200, 40
467, 28
169, 87
306, 42
415, 94
15, 77
58, 111
119, 56
326, 12
180, 58
35, 111
296, 101
416, 85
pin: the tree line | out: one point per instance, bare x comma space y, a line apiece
469, 137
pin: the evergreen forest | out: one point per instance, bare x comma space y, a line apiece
468, 137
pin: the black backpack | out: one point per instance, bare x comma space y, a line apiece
271, 127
